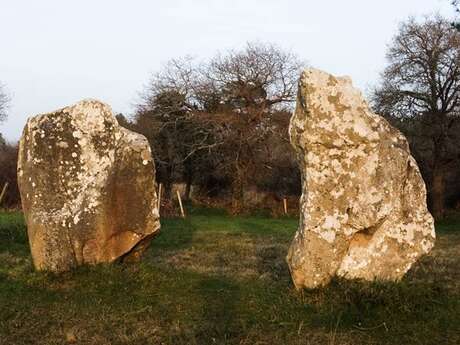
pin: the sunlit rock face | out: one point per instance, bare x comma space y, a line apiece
363, 207
87, 187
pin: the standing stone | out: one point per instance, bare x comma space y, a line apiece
87, 187
363, 208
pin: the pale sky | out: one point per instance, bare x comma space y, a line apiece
56, 52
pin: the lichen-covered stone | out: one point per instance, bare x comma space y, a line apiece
363, 207
87, 187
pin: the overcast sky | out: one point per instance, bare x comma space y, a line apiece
56, 52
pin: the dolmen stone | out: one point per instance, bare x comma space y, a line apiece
87, 187
363, 212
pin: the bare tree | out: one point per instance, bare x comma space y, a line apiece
420, 91
214, 118
8, 174
167, 116
456, 4
4, 100
246, 88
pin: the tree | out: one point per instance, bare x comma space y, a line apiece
8, 158
214, 120
4, 100
244, 89
420, 93
167, 116
456, 4
8, 173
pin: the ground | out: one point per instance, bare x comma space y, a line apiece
218, 279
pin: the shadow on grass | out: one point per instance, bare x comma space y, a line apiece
401, 312
175, 233
271, 263
450, 224
219, 315
13, 234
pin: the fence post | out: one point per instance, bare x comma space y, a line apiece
285, 205
159, 197
180, 204
3, 192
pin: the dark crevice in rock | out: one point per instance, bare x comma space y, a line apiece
134, 254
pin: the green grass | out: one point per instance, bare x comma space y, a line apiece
216, 279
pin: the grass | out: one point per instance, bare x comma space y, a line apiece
216, 279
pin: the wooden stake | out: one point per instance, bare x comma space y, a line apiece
285, 205
180, 204
159, 196
3, 192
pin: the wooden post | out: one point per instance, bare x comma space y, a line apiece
159, 196
285, 206
180, 204
3, 192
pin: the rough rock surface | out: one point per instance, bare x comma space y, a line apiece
87, 187
363, 206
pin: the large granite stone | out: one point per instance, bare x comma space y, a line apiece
363, 206
87, 187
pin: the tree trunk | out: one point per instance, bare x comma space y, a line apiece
188, 188
167, 181
164, 176
170, 169
188, 179
237, 193
437, 193
167, 187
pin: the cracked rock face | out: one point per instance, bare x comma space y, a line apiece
363, 207
87, 187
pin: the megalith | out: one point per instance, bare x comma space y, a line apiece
87, 187
363, 212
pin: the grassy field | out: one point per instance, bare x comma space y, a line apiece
216, 279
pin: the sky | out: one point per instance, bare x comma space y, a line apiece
57, 52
